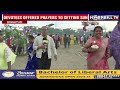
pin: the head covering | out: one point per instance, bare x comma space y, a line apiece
38, 35
114, 40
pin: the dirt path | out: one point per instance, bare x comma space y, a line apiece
68, 58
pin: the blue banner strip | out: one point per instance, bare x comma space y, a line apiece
18, 74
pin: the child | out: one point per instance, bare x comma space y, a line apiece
32, 63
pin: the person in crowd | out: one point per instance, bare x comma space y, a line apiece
107, 36
65, 40
7, 57
98, 50
60, 38
69, 41
85, 40
33, 62
53, 38
20, 46
114, 43
79, 37
56, 41
38, 34
59, 41
8, 42
75, 41
82, 41
89, 36
44, 45
51, 35
14, 45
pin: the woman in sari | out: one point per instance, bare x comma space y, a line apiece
7, 57
114, 43
32, 63
97, 55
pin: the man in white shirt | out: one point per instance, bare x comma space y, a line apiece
44, 45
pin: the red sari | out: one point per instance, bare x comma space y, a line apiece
98, 60
9, 42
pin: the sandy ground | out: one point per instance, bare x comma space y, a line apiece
68, 58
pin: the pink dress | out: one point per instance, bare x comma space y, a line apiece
98, 60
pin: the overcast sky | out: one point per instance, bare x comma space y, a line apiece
109, 25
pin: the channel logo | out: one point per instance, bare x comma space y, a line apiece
107, 76
8, 74
26, 74
93, 17
103, 17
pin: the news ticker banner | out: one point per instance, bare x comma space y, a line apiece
60, 74
78, 74
23, 18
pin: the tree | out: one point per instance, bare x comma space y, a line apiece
18, 40
80, 32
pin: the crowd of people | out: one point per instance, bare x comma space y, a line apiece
39, 49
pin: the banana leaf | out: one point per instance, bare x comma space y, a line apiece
22, 42
16, 30
7, 34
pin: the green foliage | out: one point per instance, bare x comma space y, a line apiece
17, 34
7, 34
21, 41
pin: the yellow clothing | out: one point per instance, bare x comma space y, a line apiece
6, 55
74, 38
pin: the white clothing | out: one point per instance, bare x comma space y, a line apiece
51, 46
